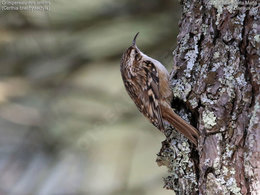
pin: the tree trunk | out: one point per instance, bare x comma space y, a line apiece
215, 81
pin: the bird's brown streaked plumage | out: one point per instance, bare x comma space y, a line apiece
147, 83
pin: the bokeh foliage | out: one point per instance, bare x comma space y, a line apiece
67, 125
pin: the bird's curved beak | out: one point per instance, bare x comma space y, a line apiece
134, 40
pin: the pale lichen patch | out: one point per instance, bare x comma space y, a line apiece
255, 116
257, 38
229, 151
216, 55
176, 156
216, 66
183, 43
193, 102
205, 100
241, 80
225, 173
251, 141
220, 5
209, 119
225, 170
232, 186
214, 185
225, 177
253, 11
216, 165
240, 19
191, 57
181, 88
204, 28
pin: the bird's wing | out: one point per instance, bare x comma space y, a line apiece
144, 91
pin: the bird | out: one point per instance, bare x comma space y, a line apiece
147, 82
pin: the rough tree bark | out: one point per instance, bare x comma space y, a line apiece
215, 80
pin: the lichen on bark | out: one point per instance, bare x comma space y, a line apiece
216, 75
175, 154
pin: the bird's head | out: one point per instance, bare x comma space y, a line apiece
132, 55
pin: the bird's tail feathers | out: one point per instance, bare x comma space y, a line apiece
181, 125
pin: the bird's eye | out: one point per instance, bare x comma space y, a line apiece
137, 56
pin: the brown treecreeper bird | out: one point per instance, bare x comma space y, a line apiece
147, 83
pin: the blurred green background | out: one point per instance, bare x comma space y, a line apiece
67, 125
